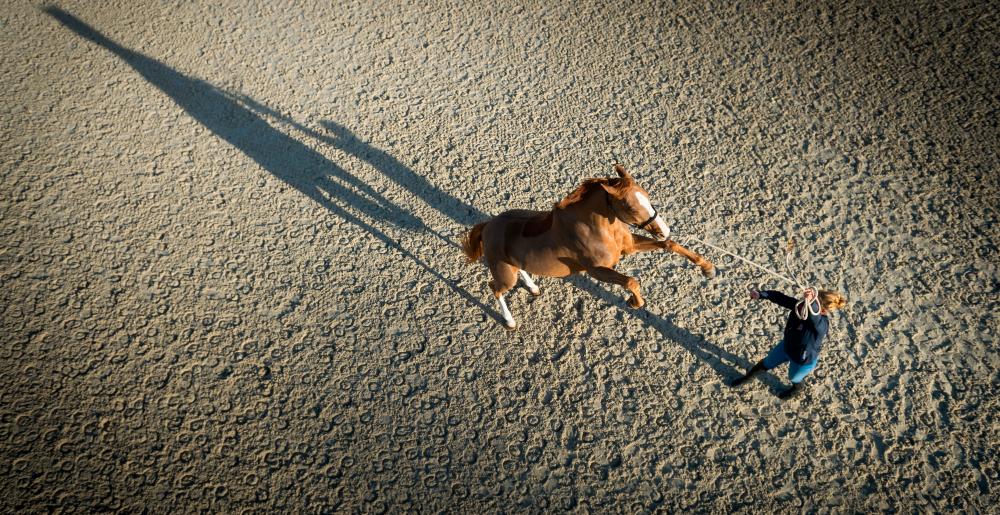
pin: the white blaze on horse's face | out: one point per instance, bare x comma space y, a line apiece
644, 202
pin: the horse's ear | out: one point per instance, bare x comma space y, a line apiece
615, 190
626, 177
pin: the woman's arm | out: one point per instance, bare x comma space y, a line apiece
778, 298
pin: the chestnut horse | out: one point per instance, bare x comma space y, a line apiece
586, 231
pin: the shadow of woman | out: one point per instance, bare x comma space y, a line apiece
286, 158
706, 352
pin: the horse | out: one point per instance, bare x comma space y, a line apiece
587, 231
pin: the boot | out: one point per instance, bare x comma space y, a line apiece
791, 391
759, 367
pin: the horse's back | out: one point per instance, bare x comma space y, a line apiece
522, 214
525, 223
503, 232
523, 238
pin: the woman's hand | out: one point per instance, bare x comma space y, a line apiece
754, 294
810, 294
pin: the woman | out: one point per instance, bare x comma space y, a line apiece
805, 328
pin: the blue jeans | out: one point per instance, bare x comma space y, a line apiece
796, 372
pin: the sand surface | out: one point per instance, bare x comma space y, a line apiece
229, 278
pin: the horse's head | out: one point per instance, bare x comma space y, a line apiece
630, 203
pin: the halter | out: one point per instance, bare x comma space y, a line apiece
614, 211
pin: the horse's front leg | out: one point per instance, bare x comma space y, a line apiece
609, 275
643, 244
707, 268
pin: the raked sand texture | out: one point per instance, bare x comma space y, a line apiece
230, 279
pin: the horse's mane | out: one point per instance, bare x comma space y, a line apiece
584, 189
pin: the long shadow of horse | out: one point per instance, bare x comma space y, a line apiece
239, 121
233, 118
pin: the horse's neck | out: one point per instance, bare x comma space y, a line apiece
592, 211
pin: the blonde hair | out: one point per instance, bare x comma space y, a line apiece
831, 300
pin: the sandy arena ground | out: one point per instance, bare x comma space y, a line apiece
229, 278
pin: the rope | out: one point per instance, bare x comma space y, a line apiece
801, 310
741, 258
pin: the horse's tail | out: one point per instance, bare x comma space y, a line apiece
472, 245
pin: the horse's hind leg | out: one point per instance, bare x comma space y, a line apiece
504, 278
610, 275
532, 287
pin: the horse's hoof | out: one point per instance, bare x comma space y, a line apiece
709, 272
510, 326
636, 303
536, 292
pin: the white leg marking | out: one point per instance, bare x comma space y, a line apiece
508, 319
663, 227
644, 202
532, 287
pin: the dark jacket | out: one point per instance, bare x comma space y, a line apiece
803, 338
